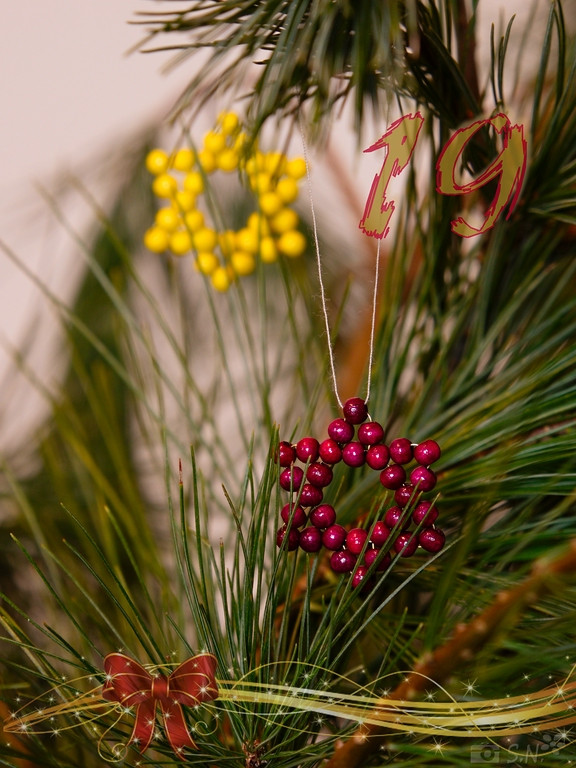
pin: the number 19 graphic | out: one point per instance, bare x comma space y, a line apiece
400, 139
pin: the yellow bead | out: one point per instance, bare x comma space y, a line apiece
287, 189
284, 220
168, 219
292, 243
184, 200
296, 168
254, 164
268, 252
258, 223
207, 262
207, 161
221, 279
247, 240
270, 203
164, 185
183, 160
157, 161
227, 160
229, 123
227, 241
242, 263
180, 242
214, 142
194, 220
205, 239
261, 183
275, 163
194, 182
156, 239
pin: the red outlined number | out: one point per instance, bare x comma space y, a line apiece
509, 167
399, 140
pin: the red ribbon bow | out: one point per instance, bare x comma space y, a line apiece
190, 684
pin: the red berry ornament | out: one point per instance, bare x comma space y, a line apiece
406, 544
377, 456
401, 450
380, 533
291, 478
341, 431
285, 455
427, 452
342, 561
424, 513
393, 476
424, 478
323, 516
405, 494
298, 518
310, 495
307, 449
355, 540
310, 539
359, 577
371, 555
432, 539
330, 452
355, 411
370, 433
393, 517
353, 454
292, 537
334, 537
319, 475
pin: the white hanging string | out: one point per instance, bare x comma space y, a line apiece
323, 291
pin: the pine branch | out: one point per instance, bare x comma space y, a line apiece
547, 574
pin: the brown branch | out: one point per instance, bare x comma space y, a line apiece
460, 648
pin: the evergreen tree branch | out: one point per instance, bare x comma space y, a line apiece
466, 641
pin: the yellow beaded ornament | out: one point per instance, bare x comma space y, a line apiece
181, 227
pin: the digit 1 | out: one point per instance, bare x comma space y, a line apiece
509, 166
399, 140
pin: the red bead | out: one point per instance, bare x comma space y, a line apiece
353, 454
355, 411
293, 538
380, 533
323, 516
406, 494
377, 456
334, 537
298, 518
310, 539
307, 449
355, 540
291, 478
401, 450
285, 454
424, 478
340, 431
370, 433
393, 476
330, 452
395, 516
424, 513
427, 452
406, 544
310, 495
372, 554
342, 561
319, 474
432, 539
359, 577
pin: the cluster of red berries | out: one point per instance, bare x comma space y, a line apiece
404, 468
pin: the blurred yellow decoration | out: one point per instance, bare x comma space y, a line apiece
180, 227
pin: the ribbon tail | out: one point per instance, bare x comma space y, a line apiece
176, 729
144, 725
